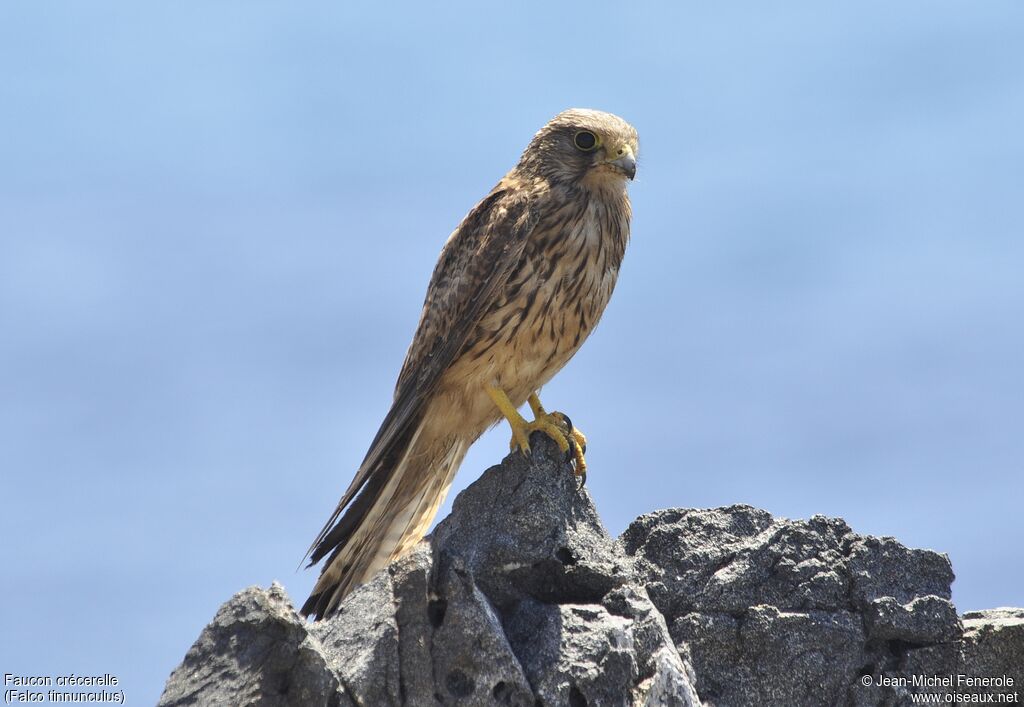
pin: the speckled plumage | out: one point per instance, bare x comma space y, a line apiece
518, 287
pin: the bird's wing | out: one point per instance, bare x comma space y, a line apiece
474, 265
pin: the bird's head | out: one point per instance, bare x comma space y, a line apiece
587, 147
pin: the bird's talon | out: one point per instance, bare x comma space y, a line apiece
556, 425
577, 444
571, 452
521, 441
567, 421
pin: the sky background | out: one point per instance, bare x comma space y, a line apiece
218, 220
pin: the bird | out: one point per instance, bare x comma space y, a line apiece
518, 286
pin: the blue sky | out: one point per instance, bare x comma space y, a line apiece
217, 223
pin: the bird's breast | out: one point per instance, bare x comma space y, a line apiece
553, 298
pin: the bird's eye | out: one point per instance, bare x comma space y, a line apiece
586, 141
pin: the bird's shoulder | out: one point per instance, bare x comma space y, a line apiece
509, 208
473, 263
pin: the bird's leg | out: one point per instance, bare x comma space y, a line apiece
521, 429
555, 425
535, 406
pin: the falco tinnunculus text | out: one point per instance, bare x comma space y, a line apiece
519, 286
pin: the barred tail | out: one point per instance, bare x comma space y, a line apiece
392, 513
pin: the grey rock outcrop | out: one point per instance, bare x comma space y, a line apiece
775, 611
993, 646
256, 651
520, 597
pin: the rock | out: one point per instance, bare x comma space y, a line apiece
520, 597
993, 647
256, 651
531, 545
775, 611
362, 644
472, 659
525, 530
882, 567
924, 620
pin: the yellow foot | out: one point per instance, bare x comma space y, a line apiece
576, 440
555, 425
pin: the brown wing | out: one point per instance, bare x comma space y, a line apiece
474, 265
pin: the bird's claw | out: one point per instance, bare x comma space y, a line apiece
577, 448
556, 425
547, 424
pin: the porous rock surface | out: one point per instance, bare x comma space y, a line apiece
520, 597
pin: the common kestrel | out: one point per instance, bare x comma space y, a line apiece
519, 286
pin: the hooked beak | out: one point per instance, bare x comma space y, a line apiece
624, 160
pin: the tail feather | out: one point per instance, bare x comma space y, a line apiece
391, 514
336, 532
